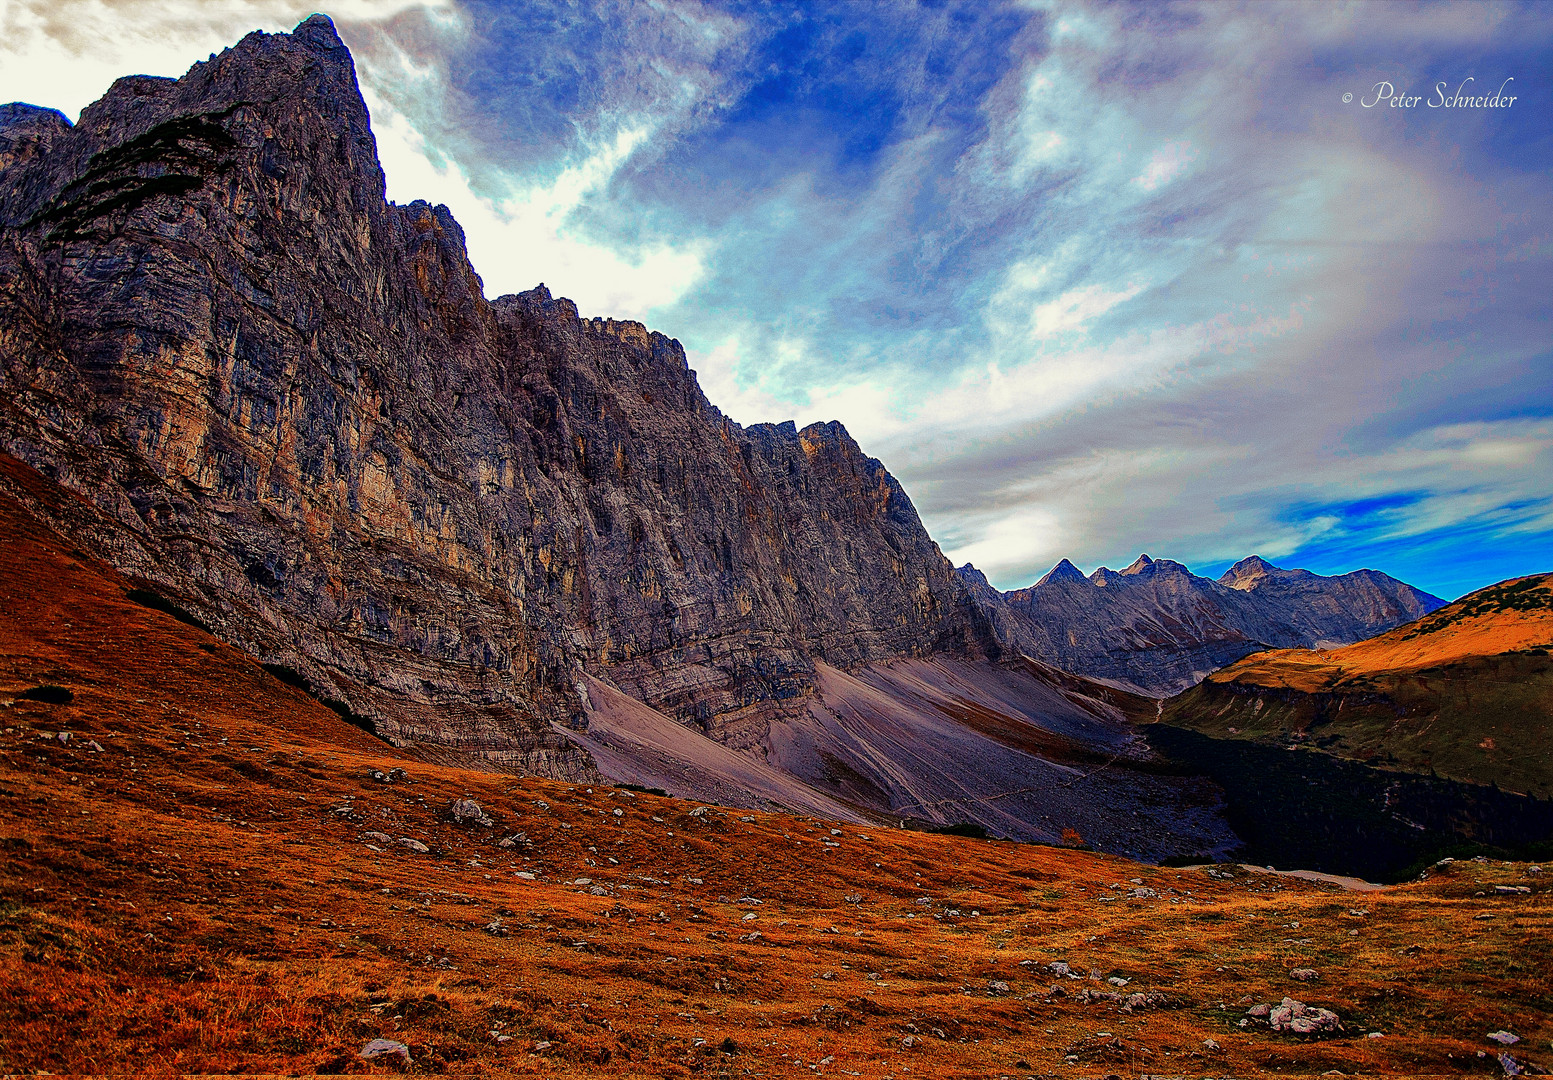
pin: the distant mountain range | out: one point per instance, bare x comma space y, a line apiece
1156, 628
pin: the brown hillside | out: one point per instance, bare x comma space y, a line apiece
192, 883
1513, 616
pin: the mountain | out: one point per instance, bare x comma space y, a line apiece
1465, 692
495, 531
1156, 628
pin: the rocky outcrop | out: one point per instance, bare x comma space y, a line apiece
1157, 628
311, 429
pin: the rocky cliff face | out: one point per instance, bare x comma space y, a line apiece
1158, 628
307, 425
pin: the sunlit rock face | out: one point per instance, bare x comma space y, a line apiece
297, 414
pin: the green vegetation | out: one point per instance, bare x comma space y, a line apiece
1528, 594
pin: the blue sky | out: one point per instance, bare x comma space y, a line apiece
1091, 279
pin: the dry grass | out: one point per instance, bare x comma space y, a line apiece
201, 896
1512, 616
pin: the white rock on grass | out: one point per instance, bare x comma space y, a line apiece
1302, 1019
385, 1048
467, 811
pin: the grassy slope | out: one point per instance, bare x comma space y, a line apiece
199, 895
1466, 691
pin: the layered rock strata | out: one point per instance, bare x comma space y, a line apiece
316, 434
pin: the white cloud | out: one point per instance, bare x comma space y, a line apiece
1168, 162
64, 54
528, 236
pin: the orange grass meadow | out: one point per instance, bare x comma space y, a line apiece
189, 886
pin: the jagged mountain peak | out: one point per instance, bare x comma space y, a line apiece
1248, 572
1063, 571
973, 576
1145, 567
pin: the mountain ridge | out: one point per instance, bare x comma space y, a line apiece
1157, 628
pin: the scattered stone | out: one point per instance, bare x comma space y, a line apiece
513, 841
1304, 975
1059, 968
413, 845
748, 916
467, 811
496, 928
997, 986
700, 811
1211, 1045
385, 1048
377, 837
1511, 889
1510, 1066
1504, 1038
1534, 869
541, 1045
1143, 894
582, 881
1299, 1018
94, 746
1117, 980
1376, 1035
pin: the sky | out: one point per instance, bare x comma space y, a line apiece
1091, 279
